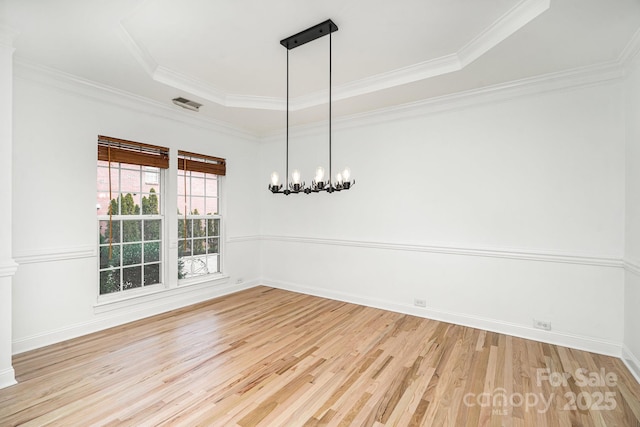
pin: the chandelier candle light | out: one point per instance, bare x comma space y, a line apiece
343, 179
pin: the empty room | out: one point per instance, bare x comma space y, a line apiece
340, 213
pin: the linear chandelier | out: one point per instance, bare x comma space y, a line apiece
319, 184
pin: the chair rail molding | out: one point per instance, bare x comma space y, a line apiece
632, 266
34, 256
511, 253
8, 268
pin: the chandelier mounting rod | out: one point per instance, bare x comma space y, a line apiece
342, 181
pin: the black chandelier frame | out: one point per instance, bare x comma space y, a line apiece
319, 30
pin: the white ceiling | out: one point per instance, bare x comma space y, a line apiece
226, 54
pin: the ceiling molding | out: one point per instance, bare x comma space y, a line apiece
521, 14
257, 102
139, 52
204, 90
423, 70
631, 51
508, 24
566, 80
69, 83
188, 84
553, 82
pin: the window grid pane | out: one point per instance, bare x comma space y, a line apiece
198, 251
134, 230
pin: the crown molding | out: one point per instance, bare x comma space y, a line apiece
46, 76
189, 84
521, 14
631, 52
139, 51
552, 82
505, 26
197, 87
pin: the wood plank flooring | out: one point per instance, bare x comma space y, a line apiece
268, 357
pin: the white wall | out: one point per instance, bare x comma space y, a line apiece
54, 194
495, 213
632, 242
7, 265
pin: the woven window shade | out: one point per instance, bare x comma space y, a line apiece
201, 163
122, 151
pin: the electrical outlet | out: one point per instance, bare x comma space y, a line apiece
419, 302
542, 324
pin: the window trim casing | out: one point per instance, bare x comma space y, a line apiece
221, 238
171, 286
214, 166
161, 156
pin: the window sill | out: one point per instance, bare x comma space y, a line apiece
215, 277
129, 295
155, 294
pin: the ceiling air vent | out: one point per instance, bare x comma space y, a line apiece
185, 103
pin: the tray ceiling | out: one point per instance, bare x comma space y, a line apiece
226, 54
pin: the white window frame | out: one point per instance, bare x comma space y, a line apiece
143, 289
219, 216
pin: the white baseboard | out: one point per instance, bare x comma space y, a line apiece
563, 339
632, 362
116, 318
7, 377
108, 319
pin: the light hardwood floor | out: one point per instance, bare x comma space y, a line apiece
270, 357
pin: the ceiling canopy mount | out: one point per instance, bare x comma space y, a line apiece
310, 34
